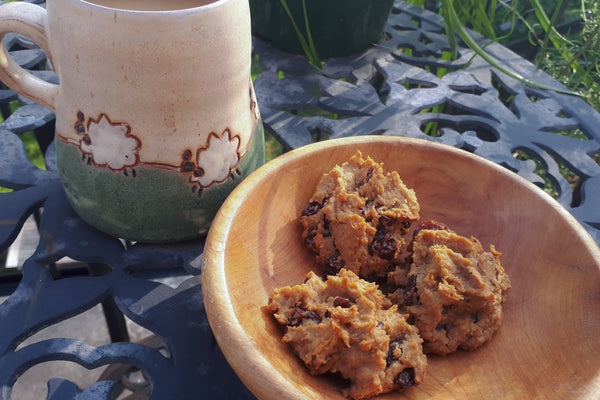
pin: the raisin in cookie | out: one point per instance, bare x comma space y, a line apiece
359, 218
454, 290
346, 325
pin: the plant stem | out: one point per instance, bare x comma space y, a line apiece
311, 43
547, 24
449, 24
551, 33
308, 47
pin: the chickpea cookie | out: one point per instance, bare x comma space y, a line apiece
454, 289
359, 218
346, 325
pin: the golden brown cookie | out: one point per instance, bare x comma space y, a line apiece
454, 290
359, 218
346, 325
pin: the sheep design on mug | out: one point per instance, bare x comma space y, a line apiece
111, 145
104, 143
216, 163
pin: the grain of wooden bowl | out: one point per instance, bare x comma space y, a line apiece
549, 344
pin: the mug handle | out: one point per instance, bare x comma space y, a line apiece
28, 20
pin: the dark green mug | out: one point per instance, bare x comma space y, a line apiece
338, 27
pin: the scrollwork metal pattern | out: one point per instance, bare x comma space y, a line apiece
394, 88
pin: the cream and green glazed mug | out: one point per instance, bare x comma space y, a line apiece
156, 117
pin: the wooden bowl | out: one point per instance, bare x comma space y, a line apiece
549, 344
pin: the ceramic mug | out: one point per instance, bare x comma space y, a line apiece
156, 117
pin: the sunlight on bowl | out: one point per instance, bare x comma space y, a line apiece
548, 346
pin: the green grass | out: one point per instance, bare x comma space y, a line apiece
33, 150
31, 147
273, 148
559, 36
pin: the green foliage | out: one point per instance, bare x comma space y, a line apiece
576, 62
31, 146
454, 24
33, 153
273, 148
571, 57
477, 15
33, 150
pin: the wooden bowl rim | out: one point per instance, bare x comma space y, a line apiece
253, 368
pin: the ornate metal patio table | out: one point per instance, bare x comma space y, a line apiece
404, 85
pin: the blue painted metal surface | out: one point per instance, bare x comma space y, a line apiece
384, 92
176, 315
